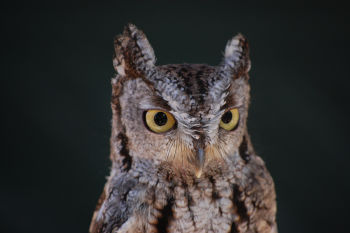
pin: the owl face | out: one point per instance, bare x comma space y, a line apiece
185, 117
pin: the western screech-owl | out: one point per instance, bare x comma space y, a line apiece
182, 160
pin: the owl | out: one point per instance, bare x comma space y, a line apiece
182, 159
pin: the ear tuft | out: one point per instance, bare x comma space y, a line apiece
133, 53
236, 55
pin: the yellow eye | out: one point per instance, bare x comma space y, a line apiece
159, 121
230, 119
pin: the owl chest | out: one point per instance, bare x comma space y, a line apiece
208, 206
225, 202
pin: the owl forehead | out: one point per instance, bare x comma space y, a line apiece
191, 88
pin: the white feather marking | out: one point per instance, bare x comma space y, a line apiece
233, 51
231, 47
120, 70
119, 66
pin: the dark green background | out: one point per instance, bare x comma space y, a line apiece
56, 66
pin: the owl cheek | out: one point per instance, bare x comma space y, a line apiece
213, 152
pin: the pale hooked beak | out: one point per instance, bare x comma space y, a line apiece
201, 159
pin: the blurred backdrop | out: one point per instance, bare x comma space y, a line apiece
56, 66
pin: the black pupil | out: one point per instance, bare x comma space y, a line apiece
160, 118
227, 117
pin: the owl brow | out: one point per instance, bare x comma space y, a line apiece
231, 102
154, 102
231, 106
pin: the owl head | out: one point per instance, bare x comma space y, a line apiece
185, 118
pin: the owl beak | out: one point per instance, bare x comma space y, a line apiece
201, 160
